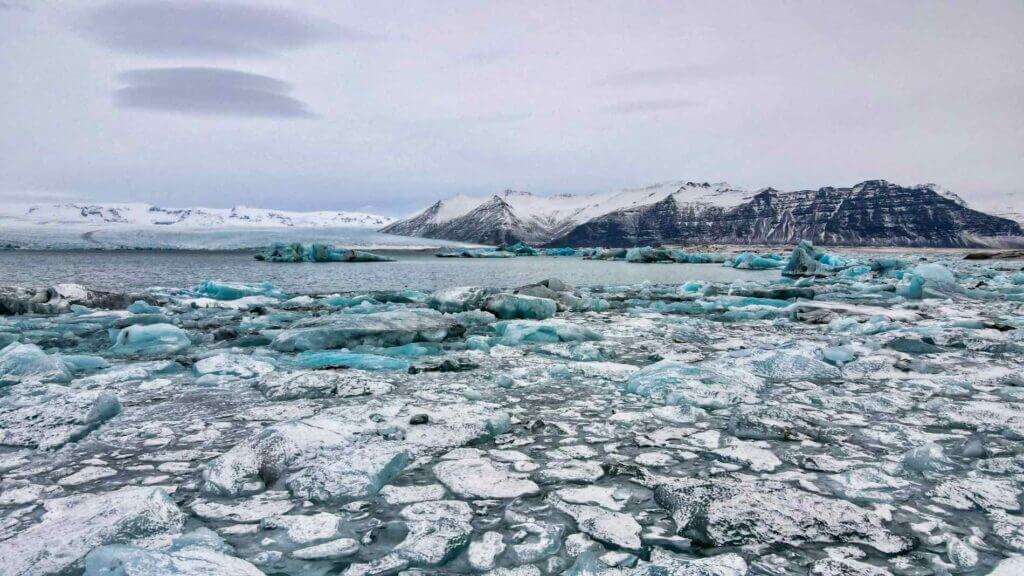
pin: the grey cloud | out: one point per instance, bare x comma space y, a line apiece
13, 5
653, 105
208, 91
667, 75
190, 29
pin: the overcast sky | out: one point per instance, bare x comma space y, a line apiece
389, 105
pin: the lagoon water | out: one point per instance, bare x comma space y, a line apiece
137, 269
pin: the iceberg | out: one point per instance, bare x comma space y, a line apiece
296, 252
518, 332
50, 416
382, 329
806, 260
515, 306
324, 440
199, 553
751, 261
354, 360
150, 340
705, 386
234, 290
21, 362
73, 526
728, 512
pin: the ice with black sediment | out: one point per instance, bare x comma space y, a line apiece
861, 417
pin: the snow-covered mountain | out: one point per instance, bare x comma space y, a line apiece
512, 215
874, 212
135, 215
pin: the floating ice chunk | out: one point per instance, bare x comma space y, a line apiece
252, 509
867, 484
82, 363
614, 528
233, 290
355, 360
730, 564
333, 550
305, 529
1013, 566
296, 252
1000, 417
845, 567
143, 307
1009, 529
234, 365
517, 332
459, 299
122, 560
542, 538
333, 435
382, 329
20, 362
513, 306
751, 261
806, 260
727, 512
49, 416
73, 526
572, 471
411, 494
357, 472
788, 365
87, 474
927, 458
483, 553
968, 493
757, 455
601, 495
150, 340
294, 384
704, 385
480, 478
432, 543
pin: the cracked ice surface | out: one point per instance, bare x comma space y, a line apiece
840, 424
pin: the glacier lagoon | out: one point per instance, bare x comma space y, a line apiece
513, 416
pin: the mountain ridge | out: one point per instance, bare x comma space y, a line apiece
870, 213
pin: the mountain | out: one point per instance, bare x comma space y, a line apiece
514, 216
145, 216
872, 213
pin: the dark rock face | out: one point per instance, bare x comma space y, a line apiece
493, 222
872, 213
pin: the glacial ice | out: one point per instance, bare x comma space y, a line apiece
296, 252
391, 328
519, 332
73, 526
831, 424
150, 340
518, 306
20, 362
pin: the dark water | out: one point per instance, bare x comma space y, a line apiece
134, 270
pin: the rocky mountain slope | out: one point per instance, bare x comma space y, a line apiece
514, 216
872, 213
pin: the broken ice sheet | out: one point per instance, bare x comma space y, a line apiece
830, 413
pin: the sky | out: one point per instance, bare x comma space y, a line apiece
386, 106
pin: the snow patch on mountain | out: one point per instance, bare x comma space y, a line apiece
146, 216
